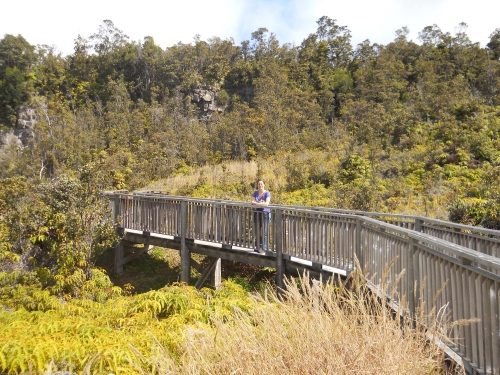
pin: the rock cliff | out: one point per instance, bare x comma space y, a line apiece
207, 99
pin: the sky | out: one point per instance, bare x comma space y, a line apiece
59, 22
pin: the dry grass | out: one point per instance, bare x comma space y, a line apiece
213, 174
249, 172
311, 330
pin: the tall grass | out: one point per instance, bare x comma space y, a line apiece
319, 329
213, 174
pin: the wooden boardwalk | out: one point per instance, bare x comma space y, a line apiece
429, 266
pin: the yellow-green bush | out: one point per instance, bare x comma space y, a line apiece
68, 335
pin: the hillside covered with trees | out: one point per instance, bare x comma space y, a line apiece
377, 126
408, 127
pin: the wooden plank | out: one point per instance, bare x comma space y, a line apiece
455, 303
411, 279
495, 323
480, 331
474, 343
461, 314
486, 324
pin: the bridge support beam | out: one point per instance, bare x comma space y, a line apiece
118, 266
214, 269
126, 247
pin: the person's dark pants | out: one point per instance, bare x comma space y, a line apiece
261, 229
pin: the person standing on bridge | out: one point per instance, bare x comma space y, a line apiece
261, 217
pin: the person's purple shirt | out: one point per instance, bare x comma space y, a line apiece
262, 198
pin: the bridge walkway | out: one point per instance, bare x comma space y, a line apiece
423, 266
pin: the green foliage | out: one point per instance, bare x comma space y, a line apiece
61, 226
223, 97
308, 168
13, 93
16, 52
491, 218
469, 211
494, 44
354, 168
297, 174
314, 195
81, 332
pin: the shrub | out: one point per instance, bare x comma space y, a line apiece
469, 211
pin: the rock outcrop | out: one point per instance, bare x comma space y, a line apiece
207, 100
25, 125
23, 130
7, 138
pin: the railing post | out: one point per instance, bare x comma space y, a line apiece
359, 253
279, 250
218, 221
418, 224
411, 278
185, 255
116, 207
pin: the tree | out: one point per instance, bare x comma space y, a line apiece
16, 52
494, 44
82, 73
108, 39
50, 74
13, 92
338, 39
111, 46
431, 36
263, 46
144, 70
58, 228
17, 57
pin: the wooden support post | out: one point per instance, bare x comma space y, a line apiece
120, 231
279, 251
185, 253
217, 274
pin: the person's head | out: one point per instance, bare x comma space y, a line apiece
260, 185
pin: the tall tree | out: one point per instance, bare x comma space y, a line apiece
13, 92
494, 44
16, 52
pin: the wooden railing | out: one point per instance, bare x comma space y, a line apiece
483, 240
430, 272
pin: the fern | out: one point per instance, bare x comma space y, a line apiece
69, 335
